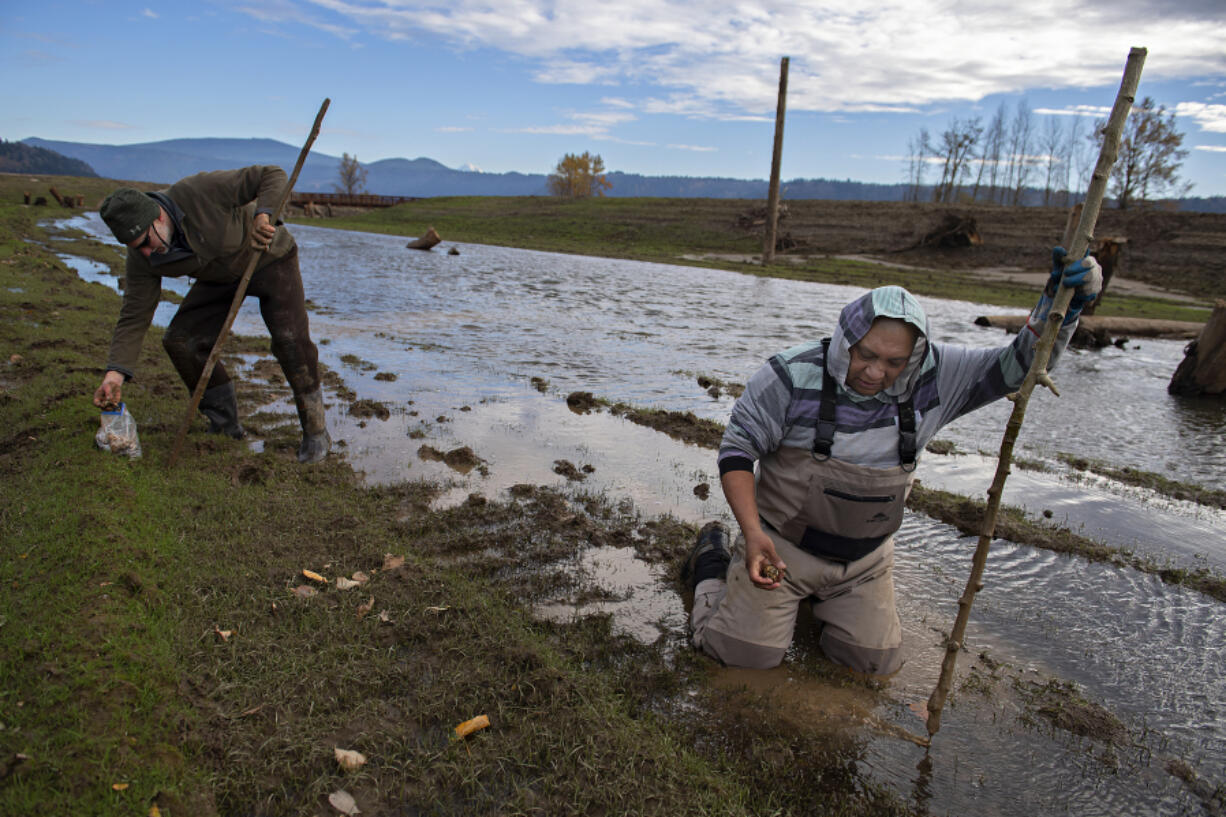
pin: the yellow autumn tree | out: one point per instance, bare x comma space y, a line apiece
577, 177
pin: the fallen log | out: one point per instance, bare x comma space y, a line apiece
1098, 324
425, 242
1203, 368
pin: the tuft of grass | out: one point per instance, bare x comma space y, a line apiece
1186, 491
1012, 523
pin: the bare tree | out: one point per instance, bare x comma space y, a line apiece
1020, 132
1052, 143
352, 176
1151, 153
1070, 153
957, 144
989, 157
1081, 149
918, 150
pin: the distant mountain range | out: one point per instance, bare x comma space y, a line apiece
172, 159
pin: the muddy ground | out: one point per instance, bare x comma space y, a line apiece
1180, 251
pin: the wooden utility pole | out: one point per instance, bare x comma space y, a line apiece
772, 199
1077, 242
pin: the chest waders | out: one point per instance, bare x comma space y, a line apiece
829, 508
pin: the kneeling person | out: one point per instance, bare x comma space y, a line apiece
836, 427
207, 227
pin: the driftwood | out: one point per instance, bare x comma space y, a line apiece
1203, 368
755, 217
1131, 327
1077, 242
425, 242
953, 231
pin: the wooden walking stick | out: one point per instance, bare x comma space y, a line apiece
1037, 374
241, 293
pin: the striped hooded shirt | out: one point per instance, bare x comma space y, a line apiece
781, 400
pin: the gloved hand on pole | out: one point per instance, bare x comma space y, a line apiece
1084, 277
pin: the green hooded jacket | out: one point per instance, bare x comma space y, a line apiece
218, 208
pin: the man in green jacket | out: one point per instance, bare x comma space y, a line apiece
207, 227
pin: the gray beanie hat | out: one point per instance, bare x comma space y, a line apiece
128, 212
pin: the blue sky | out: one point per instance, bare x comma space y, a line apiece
654, 87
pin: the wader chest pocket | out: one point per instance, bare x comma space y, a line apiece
847, 525
854, 498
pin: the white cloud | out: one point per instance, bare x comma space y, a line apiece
1093, 111
150, 13
604, 118
286, 11
698, 148
720, 59
1210, 117
453, 129
1211, 148
559, 130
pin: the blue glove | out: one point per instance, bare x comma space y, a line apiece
1085, 277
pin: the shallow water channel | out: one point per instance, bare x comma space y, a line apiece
465, 334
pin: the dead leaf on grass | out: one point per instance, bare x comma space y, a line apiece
391, 561
360, 577
224, 635
385, 617
437, 609
350, 759
119, 786
472, 725
305, 591
346, 584
154, 811
313, 576
343, 802
363, 609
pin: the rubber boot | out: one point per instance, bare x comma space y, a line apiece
220, 405
315, 440
710, 556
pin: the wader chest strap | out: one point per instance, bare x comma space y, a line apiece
823, 440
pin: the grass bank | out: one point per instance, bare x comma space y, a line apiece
159, 648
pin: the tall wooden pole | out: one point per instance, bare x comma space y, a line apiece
241, 293
1077, 246
772, 199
